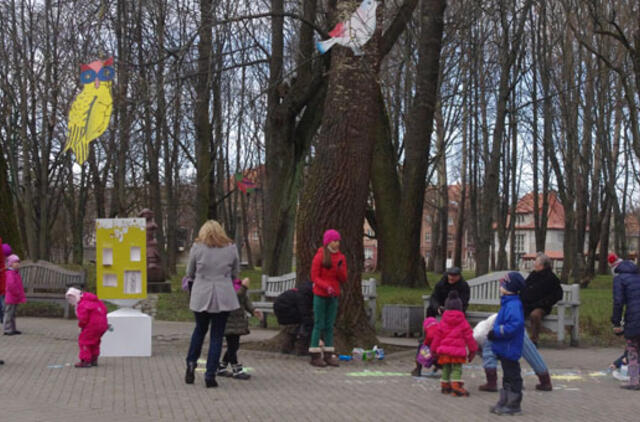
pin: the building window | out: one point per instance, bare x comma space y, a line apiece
449, 237
427, 237
450, 221
368, 253
520, 243
519, 218
254, 236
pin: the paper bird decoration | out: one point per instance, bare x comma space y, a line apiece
91, 110
355, 32
244, 184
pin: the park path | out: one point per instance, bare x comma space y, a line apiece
38, 383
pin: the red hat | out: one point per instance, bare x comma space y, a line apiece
613, 259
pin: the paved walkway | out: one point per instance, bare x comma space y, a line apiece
38, 383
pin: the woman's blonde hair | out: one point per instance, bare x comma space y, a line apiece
213, 235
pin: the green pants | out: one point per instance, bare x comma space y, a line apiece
451, 372
324, 316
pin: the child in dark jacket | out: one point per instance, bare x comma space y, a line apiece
92, 319
506, 339
237, 325
453, 342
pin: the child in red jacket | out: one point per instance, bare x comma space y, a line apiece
328, 272
450, 343
92, 319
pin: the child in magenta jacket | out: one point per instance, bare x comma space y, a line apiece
450, 343
92, 319
14, 295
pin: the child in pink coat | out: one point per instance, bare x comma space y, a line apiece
14, 295
92, 319
453, 342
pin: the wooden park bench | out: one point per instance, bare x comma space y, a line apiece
44, 281
485, 290
273, 286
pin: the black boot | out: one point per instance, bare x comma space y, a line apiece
223, 370
238, 372
501, 401
210, 382
417, 371
512, 406
545, 382
190, 375
492, 380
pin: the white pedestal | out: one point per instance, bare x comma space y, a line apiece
130, 334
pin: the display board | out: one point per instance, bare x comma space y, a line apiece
121, 251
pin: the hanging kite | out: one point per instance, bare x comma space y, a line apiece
355, 32
91, 110
244, 184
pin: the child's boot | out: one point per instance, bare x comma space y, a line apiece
223, 370
445, 387
545, 382
512, 404
190, 375
238, 372
492, 380
501, 401
94, 361
316, 357
83, 364
330, 357
417, 371
457, 389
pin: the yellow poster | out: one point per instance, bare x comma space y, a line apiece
121, 264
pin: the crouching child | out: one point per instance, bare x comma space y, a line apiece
92, 319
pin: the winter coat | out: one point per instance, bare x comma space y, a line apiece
14, 292
323, 278
453, 335
2, 270
237, 322
508, 330
442, 289
213, 271
295, 306
92, 318
542, 290
626, 294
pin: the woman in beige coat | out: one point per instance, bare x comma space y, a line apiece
213, 264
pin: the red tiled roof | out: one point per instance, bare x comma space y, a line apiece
555, 213
558, 255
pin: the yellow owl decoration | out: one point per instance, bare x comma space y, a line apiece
91, 110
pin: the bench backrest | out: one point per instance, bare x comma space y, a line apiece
485, 290
272, 287
44, 276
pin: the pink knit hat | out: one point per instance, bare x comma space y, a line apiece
12, 258
330, 236
613, 259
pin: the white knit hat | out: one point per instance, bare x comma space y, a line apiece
73, 295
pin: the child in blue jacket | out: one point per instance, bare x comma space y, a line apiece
506, 339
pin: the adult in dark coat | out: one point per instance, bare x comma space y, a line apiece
626, 296
451, 280
542, 290
294, 310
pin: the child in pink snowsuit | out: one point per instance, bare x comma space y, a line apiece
14, 295
92, 319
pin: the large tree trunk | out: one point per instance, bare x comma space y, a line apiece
10, 231
335, 194
202, 122
289, 130
398, 228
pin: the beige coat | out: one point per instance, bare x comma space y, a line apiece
213, 271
